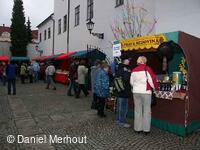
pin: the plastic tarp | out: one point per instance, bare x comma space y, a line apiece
4, 58
64, 56
20, 59
91, 54
36, 58
53, 57
45, 57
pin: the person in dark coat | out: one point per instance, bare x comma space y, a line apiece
124, 72
11, 77
73, 75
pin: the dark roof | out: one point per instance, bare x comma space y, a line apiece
47, 19
35, 34
7, 29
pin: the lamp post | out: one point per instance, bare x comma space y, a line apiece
90, 26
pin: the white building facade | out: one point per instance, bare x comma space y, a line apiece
117, 19
46, 36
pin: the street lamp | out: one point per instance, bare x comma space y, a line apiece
90, 26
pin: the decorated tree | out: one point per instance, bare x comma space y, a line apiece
18, 30
29, 33
134, 21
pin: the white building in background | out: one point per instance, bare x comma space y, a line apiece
5, 42
46, 36
112, 17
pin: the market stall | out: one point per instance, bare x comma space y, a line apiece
61, 74
178, 98
90, 56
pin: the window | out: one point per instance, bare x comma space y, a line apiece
77, 15
119, 2
89, 9
49, 33
59, 26
64, 23
40, 37
45, 34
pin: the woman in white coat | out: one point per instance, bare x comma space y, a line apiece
142, 80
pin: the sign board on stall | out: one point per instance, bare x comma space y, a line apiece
145, 42
116, 49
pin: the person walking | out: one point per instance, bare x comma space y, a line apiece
50, 71
36, 70
82, 72
4, 80
123, 72
11, 77
73, 76
94, 71
30, 73
142, 80
102, 88
23, 73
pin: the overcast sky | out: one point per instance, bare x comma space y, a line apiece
36, 10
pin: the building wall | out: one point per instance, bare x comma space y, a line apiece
60, 10
46, 45
176, 15
160, 16
5, 48
105, 14
31, 50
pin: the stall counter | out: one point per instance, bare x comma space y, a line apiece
61, 77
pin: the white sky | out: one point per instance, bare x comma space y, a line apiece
36, 10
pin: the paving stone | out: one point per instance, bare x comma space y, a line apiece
38, 147
25, 123
57, 117
37, 111
28, 131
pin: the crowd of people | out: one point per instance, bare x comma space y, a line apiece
28, 73
137, 83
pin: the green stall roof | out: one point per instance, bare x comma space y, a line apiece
92, 54
20, 59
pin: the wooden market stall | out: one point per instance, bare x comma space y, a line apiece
177, 111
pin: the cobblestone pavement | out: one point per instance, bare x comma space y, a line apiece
37, 112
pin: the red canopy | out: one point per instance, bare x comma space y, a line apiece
36, 58
4, 58
64, 55
45, 57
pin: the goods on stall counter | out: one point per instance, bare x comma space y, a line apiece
177, 78
169, 95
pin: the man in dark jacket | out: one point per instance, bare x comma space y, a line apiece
124, 72
73, 75
11, 77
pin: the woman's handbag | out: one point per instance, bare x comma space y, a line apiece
153, 95
153, 98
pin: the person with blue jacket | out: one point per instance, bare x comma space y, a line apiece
102, 88
11, 77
